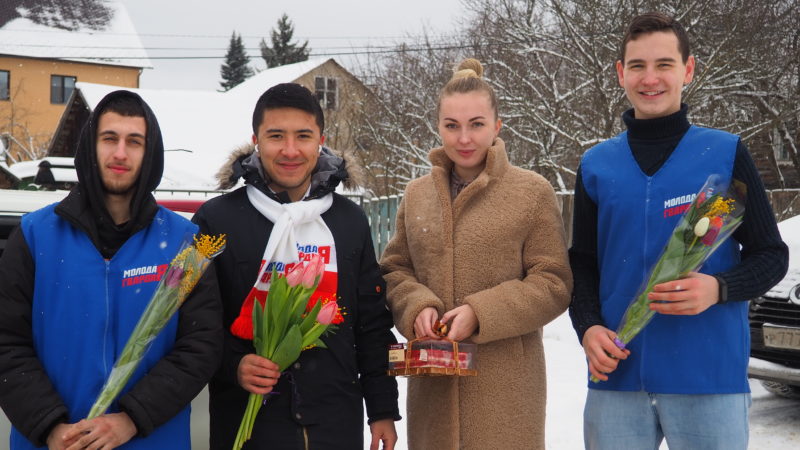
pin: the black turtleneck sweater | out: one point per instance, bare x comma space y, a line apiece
764, 255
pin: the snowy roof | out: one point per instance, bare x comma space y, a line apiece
6, 172
201, 128
101, 35
62, 168
253, 87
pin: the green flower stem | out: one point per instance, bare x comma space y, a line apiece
162, 306
246, 427
278, 336
683, 259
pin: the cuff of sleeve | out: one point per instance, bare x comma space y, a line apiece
583, 320
723, 289
140, 418
388, 415
584, 328
381, 404
41, 433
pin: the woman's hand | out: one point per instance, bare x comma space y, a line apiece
423, 325
464, 323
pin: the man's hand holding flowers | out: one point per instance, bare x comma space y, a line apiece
105, 431
257, 374
687, 296
602, 353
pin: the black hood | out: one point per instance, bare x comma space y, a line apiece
85, 206
89, 181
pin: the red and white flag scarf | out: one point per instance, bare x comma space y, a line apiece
297, 234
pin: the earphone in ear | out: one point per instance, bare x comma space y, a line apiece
320, 149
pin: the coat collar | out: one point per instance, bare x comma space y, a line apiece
496, 162
496, 166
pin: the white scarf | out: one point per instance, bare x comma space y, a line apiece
297, 234
296, 226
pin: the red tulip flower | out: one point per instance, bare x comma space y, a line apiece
713, 230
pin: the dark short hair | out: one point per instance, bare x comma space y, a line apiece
288, 95
650, 23
124, 105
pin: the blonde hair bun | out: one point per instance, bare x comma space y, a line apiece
467, 77
469, 68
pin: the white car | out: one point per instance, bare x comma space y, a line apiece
775, 325
15, 203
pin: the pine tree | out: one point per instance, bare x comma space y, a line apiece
283, 51
235, 69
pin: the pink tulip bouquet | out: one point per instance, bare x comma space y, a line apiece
716, 211
286, 324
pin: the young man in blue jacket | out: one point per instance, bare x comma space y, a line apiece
684, 377
74, 279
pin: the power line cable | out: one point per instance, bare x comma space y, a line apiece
195, 36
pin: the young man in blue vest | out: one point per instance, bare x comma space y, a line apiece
74, 279
684, 378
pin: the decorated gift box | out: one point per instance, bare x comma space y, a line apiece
421, 357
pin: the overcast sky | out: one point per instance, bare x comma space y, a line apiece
181, 28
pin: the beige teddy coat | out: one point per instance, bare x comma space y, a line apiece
500, 248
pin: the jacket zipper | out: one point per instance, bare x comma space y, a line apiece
106, 367
305, 437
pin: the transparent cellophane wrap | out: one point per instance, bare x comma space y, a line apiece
433, 357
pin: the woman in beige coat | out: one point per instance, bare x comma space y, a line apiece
479, 244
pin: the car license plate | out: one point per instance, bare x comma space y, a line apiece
777, 336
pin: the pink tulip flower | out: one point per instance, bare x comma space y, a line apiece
174, 277
315, 268
327, 313
295, 276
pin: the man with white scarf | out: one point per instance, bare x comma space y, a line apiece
286, 212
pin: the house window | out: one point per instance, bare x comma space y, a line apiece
61, 88
778, 146
5, 85
326, 91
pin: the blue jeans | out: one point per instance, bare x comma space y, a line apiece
614, 420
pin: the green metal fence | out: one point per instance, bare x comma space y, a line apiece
381, 212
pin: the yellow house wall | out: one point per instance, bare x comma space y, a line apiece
28, 115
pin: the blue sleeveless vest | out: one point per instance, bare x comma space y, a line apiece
85, 308
702, 354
